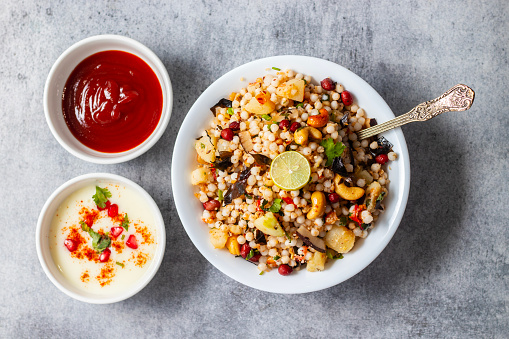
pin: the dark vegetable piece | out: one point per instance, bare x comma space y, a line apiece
373, 122
339, 167
245, 173
237, 189
310, 240
344, 120
259, 237
223, 103
261, 159
224, 160
384, 147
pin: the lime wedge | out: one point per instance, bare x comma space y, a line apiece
290, 171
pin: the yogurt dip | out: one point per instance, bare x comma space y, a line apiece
83, 260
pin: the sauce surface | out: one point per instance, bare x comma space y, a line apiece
82, 267
112, 101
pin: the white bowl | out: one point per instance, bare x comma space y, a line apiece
42, 238
59, 74
190, 209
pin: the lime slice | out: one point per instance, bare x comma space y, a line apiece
290, 171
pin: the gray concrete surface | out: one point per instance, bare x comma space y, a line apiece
444, 274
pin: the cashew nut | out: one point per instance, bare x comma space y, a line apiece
345, 192
317, 205
372, 193
319, 120
302, 135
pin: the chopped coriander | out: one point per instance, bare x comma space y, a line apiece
300, 104
125, 222
381, 197
250, 254
120, 264
99, 241
301, 127
266, 117
202, 145
333, 254
101, 196
219, 195
230, 111
84, 226
261, 273
248, 196
364, 226
368, 201
305, 82
343, 220
288, 235
276, 206
277, 257
123, 237
276, 69
332, 150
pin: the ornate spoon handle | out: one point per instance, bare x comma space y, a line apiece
458, 98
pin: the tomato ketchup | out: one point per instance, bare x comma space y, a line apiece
112, 101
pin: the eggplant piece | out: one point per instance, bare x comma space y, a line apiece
310, 240
223, 103
384, 147
344, 120
261, 159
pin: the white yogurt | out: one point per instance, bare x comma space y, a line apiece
91, 275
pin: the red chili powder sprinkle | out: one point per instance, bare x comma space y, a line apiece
141, 259
145, 234
106, 275
117, 245
85, 277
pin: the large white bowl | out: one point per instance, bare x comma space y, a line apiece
59, 74
42, 238
190, 209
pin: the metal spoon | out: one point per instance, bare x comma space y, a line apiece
458, 98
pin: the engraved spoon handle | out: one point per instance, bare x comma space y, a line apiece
458, 98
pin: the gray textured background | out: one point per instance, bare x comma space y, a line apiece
444, 274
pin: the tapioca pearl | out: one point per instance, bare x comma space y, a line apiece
375, 167
352, 136
361, 112
313, 97
354, 108
392, 156
306, 151
313, 146
356, 144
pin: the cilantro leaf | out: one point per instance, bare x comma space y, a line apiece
333, 254
266, 117
250, 254
219, 195
332, 150
300, 104
120, 264
125, 222
276, 206
276, 257
101, 196
276, 68
103, 243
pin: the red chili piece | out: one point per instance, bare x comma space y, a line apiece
105, 255
289, 200
116, 231
284, 269
382, 159
346, 97
113, 210
295, 126
327, 84
132, 242
71, 245
227, 134
211, 205
333, 198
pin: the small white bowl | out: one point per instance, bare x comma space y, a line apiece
59, 74
44, 252
190, 209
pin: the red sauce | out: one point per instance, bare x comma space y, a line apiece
112, 101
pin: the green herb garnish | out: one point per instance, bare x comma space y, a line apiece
266, 117
368, 201
276, 69
333, 254
288, 236
261, 273
99, 241
101, 196
277, 257
123, 237
380, 197
250, 254
276, 206
202, 145
120, 264
332, 150
230, 111
343, 220
219, 195
300, 104
125, 222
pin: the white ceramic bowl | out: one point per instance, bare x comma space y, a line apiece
42, 238
190, 209
59, 74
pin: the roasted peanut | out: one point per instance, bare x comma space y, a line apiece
303, 135
345, 192
319, 120
317, 205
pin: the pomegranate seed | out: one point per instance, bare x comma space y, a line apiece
132, 242
227, 134
234, 125
284, 269
211, 205
255, 257
327, 84
295, 126
284, 124
113, 210
381, 158
333, 198
244, 250
107, 205
346, 97
71, 245
105, 255
116, 231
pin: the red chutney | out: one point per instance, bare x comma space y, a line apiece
112, 101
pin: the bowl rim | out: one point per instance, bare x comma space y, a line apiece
144, 279
165, 82
290, 60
